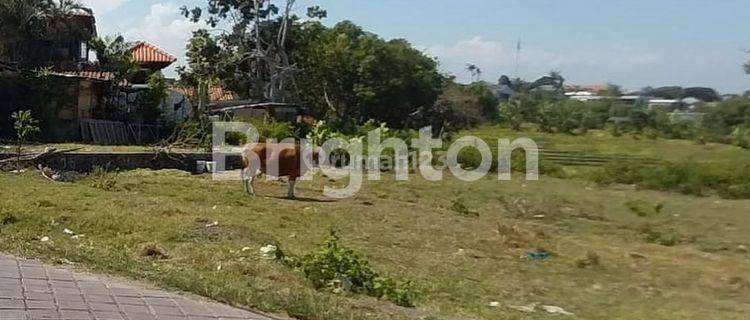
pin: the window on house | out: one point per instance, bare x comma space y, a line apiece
84, 51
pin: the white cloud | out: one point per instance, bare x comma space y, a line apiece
164, 27
585, 63
493, 57
103, 6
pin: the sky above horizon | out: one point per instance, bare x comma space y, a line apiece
632, 43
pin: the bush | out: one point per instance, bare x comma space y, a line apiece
728, 180
472, 158
103, 179
337, 268
459, 206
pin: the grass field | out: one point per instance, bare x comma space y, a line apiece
615, 254
602, 142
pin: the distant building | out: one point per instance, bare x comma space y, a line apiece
667, 105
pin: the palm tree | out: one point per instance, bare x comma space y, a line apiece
475, 71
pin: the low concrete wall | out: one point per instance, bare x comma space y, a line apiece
84, 162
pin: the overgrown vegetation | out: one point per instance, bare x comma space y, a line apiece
339, 269
102, 178
457, 265
25, 126
727, 180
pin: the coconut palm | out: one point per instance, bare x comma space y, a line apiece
474, 71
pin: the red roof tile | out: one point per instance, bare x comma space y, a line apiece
215, 94
145, 53
92, 75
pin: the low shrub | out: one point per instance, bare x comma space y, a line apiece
7, 218
337, 268
728, 180
644, 209
103, 179
667, 238
458, 206
471, 158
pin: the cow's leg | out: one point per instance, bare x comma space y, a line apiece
251, 184
243, 178
292, 182
248, 177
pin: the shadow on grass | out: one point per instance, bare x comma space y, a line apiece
304, 199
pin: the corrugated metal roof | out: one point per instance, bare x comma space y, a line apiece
145, 52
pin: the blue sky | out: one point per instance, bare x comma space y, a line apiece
633, 43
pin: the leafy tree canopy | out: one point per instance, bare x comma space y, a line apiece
343, 72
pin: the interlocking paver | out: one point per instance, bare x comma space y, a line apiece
30, 290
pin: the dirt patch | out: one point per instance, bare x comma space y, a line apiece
207, 230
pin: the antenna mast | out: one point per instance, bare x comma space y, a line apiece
518, 56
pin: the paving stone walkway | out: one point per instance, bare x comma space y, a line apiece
30, 290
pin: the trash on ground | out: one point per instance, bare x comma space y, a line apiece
269, 252
44, 239
527, 308
532, 307
494, 304
556, 310
538, 255
212, 224
68, 231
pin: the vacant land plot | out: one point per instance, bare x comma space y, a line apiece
602, 142
472, 251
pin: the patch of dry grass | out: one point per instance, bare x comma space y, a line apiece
602, 263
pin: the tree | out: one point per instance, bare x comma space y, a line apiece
612, 90
363, 77
204, 57
152, 100
475, 71
113, 53
30, 24
25, 126
670, 92
511, 112
701, 93
256, 46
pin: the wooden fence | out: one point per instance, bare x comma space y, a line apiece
106, 132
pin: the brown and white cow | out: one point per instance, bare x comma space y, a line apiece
279, 160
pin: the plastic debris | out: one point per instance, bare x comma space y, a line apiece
68, 231
494, 304
44, 239
269, 252
527, 308
538, 255
245, 249
212, 224
556, 310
